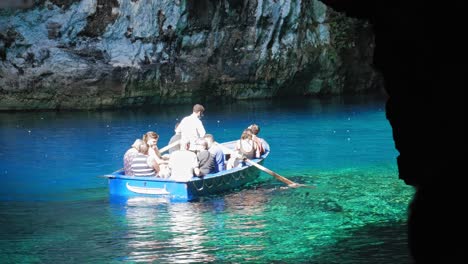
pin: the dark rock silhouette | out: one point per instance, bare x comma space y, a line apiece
423, 79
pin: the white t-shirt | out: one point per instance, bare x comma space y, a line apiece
191, 128
182, 163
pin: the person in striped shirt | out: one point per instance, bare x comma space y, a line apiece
143, 164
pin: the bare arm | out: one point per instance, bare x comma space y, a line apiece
257, 149
152, 163
156, 151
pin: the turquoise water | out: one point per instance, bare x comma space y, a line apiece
55, 208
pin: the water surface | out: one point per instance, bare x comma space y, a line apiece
55, 208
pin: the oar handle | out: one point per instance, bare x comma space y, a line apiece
173, 144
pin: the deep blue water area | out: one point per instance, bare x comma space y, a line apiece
55, 208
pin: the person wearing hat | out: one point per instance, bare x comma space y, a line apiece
191, 127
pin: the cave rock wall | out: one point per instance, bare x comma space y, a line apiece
92, 54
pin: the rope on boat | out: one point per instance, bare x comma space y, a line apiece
230, 178
205, 184
202, 185
238, 178
220, 182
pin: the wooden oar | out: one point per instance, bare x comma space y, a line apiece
264, 169
274, 174
173, 144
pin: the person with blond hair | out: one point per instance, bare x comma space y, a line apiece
143, 164
261, 143
245, 148
151, 139
130, 154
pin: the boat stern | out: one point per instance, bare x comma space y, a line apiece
128, 186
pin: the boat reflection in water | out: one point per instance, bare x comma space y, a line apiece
227, 227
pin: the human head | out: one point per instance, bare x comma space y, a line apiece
246, 134
143, 148
209, 139
202, 143
137, 143
198, 109
254, 128
150, 138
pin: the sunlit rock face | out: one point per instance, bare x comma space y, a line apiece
91, 54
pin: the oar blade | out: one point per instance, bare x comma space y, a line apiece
277, 176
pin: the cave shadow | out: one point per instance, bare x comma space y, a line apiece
380, 242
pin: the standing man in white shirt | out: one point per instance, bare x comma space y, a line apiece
191, 128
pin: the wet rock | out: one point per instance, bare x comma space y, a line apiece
103, 16
53, 30
107, 54
64, 4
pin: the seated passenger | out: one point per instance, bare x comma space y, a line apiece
143, 164
183, 163
129, 155
151, 139
261, 143
245, 148
206, 161
217, 152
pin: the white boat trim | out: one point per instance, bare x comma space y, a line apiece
146, 190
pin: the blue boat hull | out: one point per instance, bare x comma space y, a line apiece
122, 186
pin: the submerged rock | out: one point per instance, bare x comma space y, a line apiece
94, 54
